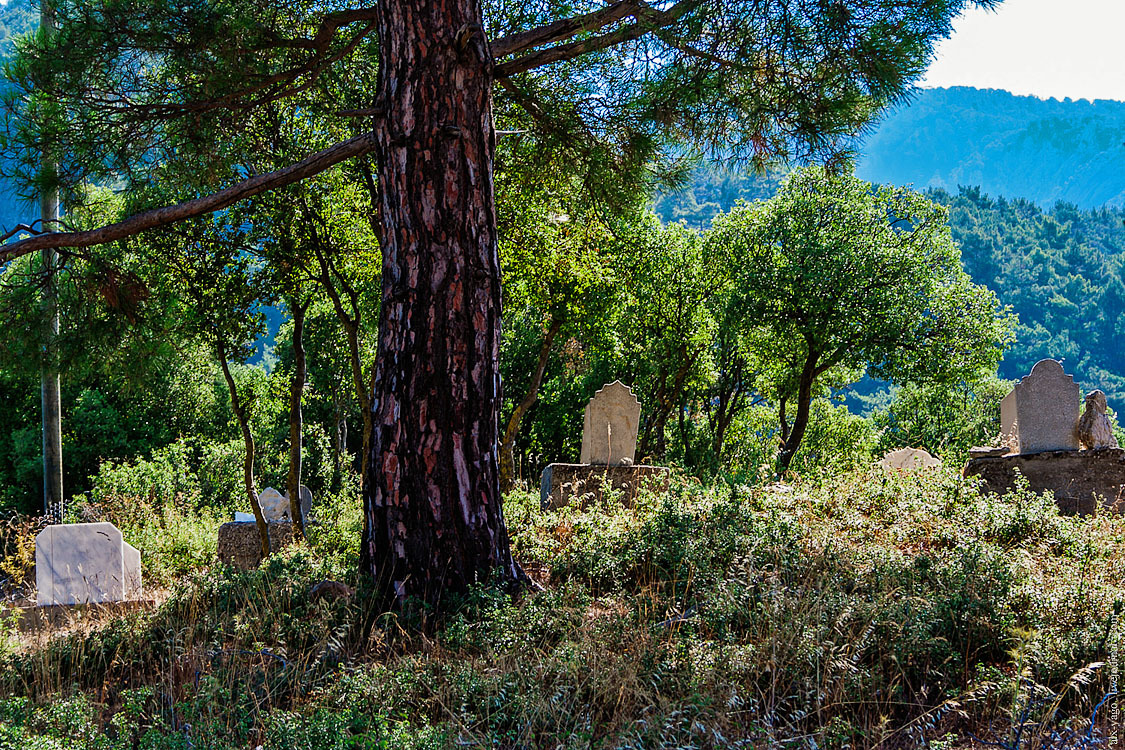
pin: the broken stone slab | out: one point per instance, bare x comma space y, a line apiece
562, 484
275, 504
240, 547
910, 459
987, 451
85, 563
1094, 429
1081, 481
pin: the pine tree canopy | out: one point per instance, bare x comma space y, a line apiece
140, 92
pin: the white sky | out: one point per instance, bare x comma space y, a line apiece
1047, 48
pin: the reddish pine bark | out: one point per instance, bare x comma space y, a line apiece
433, 518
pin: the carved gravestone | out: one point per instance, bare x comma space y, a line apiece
609, 431
1046, 414
609, 447
85, 563
910, 459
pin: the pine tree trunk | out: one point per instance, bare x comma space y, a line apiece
296, 417
432, 494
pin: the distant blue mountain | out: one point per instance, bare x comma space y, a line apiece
1016, 146
16, 17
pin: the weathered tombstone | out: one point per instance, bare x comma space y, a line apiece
909, 459
609, 430
609, 447
85, 563
1094, 429
1046, 409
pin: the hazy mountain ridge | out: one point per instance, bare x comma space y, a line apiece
1017, 146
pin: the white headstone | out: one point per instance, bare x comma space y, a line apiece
1008, 428
609, 432
85, 563
1046, 409
131, 560
275, 505
909, 459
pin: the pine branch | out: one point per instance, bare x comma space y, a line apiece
159, 217
563, 29
646, 20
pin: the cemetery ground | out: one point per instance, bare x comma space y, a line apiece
870, 608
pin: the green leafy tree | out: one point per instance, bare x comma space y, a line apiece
609, 87
838, 275
560, 286
669, 326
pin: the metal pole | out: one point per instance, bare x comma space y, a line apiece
49, 374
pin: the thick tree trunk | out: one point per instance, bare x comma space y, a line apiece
296, 416
432, 493
239, 410
508, 442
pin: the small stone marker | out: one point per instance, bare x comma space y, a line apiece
909, 459
85, 563
1046, 410
609, 431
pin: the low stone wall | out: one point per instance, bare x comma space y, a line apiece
562, 483
240, 547
1080, 480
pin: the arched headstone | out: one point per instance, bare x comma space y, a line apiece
609, 431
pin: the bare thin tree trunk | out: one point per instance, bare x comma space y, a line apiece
296, 415
508, 441
240, 414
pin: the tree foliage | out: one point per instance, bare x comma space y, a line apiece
842, 275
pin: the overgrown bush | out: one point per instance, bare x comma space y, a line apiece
860, 609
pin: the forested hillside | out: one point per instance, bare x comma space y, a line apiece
1061, 271
1042, 150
